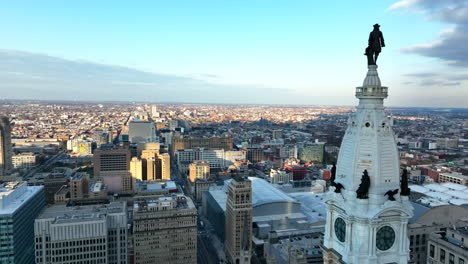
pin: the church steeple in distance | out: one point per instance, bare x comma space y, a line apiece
367, 218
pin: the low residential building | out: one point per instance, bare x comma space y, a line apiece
280, 176
454, 178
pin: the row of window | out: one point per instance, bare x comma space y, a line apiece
443, 257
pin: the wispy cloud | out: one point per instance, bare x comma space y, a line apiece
451, 45
30, 75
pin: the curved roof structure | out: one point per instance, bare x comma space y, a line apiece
264, 193
441, 214
266, 199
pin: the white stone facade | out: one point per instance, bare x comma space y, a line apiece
369, 144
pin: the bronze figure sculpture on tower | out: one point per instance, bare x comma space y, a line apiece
376, 42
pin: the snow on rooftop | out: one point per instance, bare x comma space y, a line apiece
312, 205
439, 195
419, 189
458, 201
458, 194
454, 186
432, 202
436, 187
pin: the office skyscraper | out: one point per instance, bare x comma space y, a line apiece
156, 166
179, 143
136, 168
238, 223
142, 131
112, 166
165, 230
199, 169
366, 215
20, 204
84, 234
6, 164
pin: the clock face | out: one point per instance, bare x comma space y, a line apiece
385, 238
340, 229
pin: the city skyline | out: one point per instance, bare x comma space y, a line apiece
206, 52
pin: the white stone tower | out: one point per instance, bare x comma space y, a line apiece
372, 230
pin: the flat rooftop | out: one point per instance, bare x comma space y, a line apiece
170, 202
62, 212
14, 194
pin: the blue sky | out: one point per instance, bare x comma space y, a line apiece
306, 52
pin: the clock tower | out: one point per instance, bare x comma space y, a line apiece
367, 214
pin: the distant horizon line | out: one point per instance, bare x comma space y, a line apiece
128, 102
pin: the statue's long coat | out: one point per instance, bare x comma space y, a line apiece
376, 41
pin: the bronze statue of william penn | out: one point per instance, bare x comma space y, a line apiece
376, 42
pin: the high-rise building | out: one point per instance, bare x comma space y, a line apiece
179, 143
136, 168
112, 166
6, 164
238, 225
367, 217
52, 183
165, 230
201, 186
448, 246
255, 155
80, 145
288, 151
277, 134
173, 124
84, 234
109, 160
214, 157
142, 131
155, 165
199, 169
312, 152
231, 156
79, 186
429, 220
20, 204
103, 136
154, 111
25, 160
156, 146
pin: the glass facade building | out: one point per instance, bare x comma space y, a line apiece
19, 206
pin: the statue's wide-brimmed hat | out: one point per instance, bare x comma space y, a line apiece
376, 25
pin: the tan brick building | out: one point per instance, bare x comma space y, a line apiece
165, 230
199, 169
238, 226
